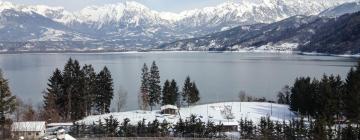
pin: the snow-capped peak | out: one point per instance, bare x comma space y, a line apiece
130, 21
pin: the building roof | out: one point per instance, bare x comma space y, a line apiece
28, 126
59, 124
230, 123
168, 107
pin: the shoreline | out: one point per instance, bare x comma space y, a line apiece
176, 51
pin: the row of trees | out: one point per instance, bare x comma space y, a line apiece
111, 127
194, 127
329, 100
151, 93
77, 92
295, 129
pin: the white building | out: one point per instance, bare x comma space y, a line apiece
28, 130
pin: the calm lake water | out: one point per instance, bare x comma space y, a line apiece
219, 76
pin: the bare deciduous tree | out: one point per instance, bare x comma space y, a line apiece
122, 97
20, 108
29, 114
242, 96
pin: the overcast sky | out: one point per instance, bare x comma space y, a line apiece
159, 5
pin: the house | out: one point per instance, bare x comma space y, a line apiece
28, 130
169, 109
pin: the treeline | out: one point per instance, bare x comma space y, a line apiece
76, 92
296, 129
329, 100
151, 93
111, 127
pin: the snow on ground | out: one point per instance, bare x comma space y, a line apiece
216, 112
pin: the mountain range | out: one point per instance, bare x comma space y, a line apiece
331, 34
133, 25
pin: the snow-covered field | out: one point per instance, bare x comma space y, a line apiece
215, 112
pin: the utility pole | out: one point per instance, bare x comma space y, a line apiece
271, 109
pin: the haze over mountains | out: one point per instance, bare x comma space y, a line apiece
132, 25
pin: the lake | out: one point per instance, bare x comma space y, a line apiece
219, 76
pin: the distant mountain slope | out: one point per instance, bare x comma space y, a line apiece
309, 34
294, 30
132, 24
338, 36
342, 9
28, 26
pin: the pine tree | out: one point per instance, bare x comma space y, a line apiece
105, 91
186, 91
73, 84
126, 128
89, 87
78, 104
328, 102
179, 128
166, 93
319, 130
174, 90
170, 93
7, 104
7, 101
154, 86
111, 126
144, 87
53, 103
352, 95
66, 99
303, 96
194, 94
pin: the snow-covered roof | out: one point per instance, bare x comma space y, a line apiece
59, 124
28, 126
230, 123
168, 107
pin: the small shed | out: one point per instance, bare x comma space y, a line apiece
169, 109
28, 130
230, 126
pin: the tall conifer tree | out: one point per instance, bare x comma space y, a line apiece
166, 93
194, 96
78, 104
89, 87
352, 95
105, 91
154, 86
174, 90
144, 87
53, 103
186, 90
7, 100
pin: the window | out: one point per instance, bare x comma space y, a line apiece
37, 133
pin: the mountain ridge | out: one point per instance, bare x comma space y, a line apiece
132, 24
